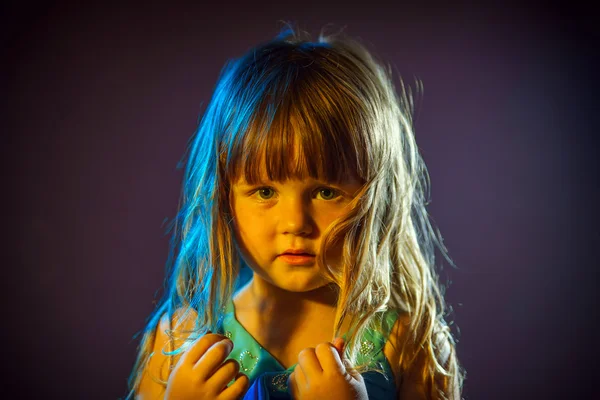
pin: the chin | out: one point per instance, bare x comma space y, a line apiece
301, 288
298, 282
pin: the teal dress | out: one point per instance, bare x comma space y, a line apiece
268, 378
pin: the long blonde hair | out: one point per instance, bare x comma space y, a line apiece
338, 104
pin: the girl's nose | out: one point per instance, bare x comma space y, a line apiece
296, 218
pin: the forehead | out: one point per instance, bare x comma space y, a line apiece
302, 158
292, 165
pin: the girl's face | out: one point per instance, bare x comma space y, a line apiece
273, 220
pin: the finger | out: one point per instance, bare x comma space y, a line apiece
237, 389
329, 358
199, 347
293, 384
225, 373
213, 358
300, 378
309, 363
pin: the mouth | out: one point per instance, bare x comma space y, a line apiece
298, 252
298, 258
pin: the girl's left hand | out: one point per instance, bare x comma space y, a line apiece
321, 374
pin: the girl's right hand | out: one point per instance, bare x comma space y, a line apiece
202, 374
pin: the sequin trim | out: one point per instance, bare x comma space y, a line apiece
279, 382
366, 347
242, 366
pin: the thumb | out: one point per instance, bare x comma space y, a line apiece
339, 343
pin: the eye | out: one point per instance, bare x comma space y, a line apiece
328, 193
265, 193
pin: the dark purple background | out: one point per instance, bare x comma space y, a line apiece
98, 103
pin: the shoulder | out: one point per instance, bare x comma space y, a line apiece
409, 376
157, 370
393, 345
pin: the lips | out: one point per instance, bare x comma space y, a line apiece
298, 252
298, 257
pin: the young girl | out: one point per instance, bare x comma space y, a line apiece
302, 256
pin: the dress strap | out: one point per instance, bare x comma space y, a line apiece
375, 337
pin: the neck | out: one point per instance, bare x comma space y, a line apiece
269, 299
266, 310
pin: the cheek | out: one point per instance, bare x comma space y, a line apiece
326, 218
249, 225
335, 249
334, 254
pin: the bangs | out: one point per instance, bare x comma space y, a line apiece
304, 122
